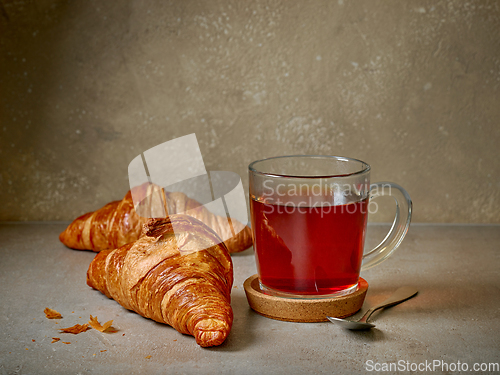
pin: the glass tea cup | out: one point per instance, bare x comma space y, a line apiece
309, 216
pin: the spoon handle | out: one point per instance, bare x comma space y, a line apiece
400, 295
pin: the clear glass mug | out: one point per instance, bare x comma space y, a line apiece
309, 216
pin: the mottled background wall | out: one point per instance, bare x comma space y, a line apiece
411, 87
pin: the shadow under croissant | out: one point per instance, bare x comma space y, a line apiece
242, 333
240, 336
247, 252
171, 334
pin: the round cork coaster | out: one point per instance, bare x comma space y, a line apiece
303, 310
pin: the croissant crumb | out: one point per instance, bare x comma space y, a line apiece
76, 329
52, 314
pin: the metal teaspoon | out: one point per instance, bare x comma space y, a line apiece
400, 295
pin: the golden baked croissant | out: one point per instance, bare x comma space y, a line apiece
118, 223
165, 277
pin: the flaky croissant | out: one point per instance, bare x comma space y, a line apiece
166, 277
118, 223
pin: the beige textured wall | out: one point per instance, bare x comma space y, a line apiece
411, 87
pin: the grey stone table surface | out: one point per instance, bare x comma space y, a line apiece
453, 321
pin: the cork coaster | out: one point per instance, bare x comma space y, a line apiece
303, 310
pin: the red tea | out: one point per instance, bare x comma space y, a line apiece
309, 250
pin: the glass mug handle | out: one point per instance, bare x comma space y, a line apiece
399, 227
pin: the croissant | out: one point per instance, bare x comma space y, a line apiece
166, 277
118, 223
